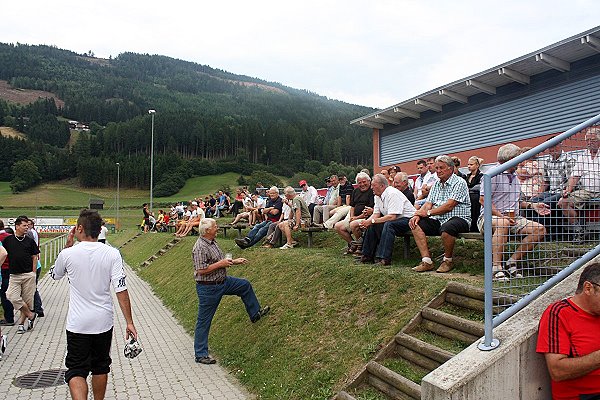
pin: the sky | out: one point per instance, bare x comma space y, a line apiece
373, 53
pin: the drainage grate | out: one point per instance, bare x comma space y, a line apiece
41, 379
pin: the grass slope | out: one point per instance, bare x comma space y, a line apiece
329, 315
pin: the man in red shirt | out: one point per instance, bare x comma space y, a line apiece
568, 338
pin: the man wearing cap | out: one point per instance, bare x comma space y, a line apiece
309, 195
195, 217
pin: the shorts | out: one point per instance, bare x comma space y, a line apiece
520, 223
581, 196
453, 227
88, 353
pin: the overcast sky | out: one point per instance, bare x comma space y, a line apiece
373, 53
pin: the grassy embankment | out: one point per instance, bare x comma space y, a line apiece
329, 315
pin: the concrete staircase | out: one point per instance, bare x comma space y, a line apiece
452, 320
131, 239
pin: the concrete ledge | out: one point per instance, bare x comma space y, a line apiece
512, 371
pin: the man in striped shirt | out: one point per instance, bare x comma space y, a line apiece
447, 213
212, 283
568, 339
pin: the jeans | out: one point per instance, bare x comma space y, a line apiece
379, 239
37, 300
258, 232
209, 297
7, 306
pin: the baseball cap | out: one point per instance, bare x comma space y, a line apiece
194, 203
302, 182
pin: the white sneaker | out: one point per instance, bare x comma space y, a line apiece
286, 246
21, 329
3, 343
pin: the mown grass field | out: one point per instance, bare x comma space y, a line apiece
329, 315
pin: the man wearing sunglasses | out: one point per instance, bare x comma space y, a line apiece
568, 338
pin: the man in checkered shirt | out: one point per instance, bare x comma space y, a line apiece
446, 213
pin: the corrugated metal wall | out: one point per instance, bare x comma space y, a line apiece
554, 110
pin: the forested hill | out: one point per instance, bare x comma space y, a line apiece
202, 113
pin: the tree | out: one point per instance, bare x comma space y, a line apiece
25, 174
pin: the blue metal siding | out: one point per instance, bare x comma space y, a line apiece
553, 110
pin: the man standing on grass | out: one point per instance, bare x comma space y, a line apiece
212, 283
22, 260
91, 268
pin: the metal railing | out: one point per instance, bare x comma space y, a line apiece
49, 250
533, 243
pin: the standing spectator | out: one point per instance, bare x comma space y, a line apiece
146, 217
474, 184
91, 268
361, 207
401, 183
568, 339
104, 231
212, 283
390, 218
7, 307
38, 308
446, 213
22, 258
309, 195
586, 177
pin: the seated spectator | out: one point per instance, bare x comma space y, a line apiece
420, 181
211, 206
201, 204
401, 183
274, 233
446, 213
457, 162
309, 195
238, 203
586, 178
506, 203
391, 215
361, 207
300, 216
474, 184
392, 171
386, 174
332, 200
196, 216
428, 180
530, 177
180, 209
272, 211
248, 207
568, 339
338, 213
159, 226
259, 204
222, 204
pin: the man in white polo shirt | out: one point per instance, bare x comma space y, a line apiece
92, 268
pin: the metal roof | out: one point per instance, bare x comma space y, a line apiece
557, 56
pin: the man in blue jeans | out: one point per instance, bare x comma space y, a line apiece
272, 211
212, 283
390, 217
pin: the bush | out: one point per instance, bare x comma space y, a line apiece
310, 178
266, 179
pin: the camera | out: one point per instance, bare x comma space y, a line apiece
132, 348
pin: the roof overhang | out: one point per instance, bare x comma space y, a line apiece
558, 56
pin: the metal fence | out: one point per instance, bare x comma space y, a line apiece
541, 219
49, 250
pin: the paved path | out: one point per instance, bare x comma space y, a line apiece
165, 369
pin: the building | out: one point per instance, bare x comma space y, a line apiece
524, 101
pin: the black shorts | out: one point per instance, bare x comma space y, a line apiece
452, 227
88, 353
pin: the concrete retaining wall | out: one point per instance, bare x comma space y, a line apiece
513, 371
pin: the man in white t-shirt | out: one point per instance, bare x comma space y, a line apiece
91, 268
390, 217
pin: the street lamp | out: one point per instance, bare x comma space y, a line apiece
118, 188
151, 112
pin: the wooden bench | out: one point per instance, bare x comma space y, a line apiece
310, 230
239, 226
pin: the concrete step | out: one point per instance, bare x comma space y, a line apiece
425, 349
391, 383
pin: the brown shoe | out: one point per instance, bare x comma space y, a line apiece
423, 267
445, 266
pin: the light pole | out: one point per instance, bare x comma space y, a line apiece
118, 188
151, 112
